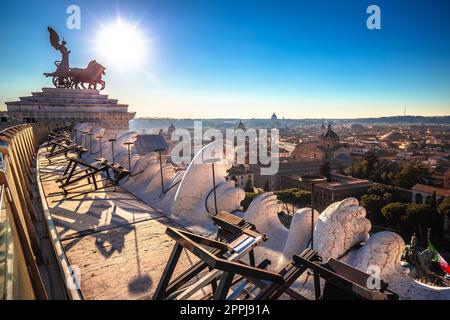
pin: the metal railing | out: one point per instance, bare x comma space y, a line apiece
20, 254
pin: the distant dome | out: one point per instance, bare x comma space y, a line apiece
241, 125
329, 134
171, 128
322, 127
274, 117
356, 126
393, 136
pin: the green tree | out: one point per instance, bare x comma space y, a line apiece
415, 217
298, 197
355, 170
370, 159
385, 172
408, 176
373, 204
418, 217
371, 168
249, 186
388, 192
249, 196
433, 201
393, 213
444, 211
380, 190
379, 196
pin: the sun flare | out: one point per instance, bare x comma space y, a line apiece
121, 45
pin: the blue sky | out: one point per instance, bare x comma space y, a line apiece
245, 59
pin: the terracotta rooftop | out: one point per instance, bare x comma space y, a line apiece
430, 189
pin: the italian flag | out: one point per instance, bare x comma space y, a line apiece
438, 258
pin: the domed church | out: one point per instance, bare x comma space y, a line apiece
329, 139
328, 147
274, 117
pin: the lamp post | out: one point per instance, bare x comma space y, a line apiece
83, 139
129, 144
212, 161
90, 142
158, 144
112, 148
100, 140
312, 180
76, 136
161, 169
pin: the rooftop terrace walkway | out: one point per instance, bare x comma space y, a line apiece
117, 241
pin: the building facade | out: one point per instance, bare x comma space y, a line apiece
423, 194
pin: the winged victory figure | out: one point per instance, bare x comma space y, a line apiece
63, 65
66, 77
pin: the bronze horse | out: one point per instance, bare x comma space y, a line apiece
66, 77
91, 75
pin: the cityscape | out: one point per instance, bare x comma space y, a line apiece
225, 151
380, 164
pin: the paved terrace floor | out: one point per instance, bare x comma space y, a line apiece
117, 241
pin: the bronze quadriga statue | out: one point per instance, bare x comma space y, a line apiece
66, 77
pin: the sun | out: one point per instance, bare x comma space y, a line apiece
122, 45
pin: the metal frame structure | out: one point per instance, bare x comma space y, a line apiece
312, 180
227, 272
344, 282
59, 143
63, 147
89, 172
236, 239
72, 152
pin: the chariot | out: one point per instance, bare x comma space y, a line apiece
66, 77
61, 77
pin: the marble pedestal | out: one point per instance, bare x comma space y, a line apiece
72, 106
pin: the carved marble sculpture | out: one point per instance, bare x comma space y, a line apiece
193, 205
341, 230
342, 226
283, 243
